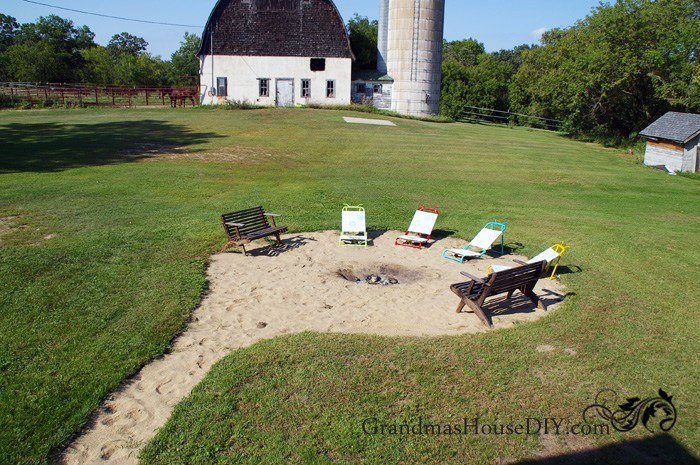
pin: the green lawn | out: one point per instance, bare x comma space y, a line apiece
103, 248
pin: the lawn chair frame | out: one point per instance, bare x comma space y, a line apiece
413, 244
362, 239
496, 226
553, 265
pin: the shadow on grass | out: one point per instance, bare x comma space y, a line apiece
50, 147
569, 269
660, 449
520, 303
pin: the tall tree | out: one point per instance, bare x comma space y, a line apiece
49, 50
616, 70
363, 40
466, 52
8, 30
184, 64
126, 44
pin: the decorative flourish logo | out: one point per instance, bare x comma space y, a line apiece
656, 413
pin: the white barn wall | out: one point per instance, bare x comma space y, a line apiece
244, 72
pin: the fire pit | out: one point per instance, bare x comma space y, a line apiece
379, 275
372, 279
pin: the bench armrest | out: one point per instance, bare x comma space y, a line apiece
472, 277
235, 225
520, 262
272, 216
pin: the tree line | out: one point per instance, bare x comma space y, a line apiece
608, 75
54, 49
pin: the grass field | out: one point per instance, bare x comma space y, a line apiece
103, 244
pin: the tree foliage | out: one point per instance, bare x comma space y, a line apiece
126, 44
53, 49
48, 50
618, 69
472, 77
184, 64
363, 41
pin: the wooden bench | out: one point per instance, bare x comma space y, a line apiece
245, 226
523, 278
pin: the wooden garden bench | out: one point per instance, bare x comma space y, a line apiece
523, 278
245, 226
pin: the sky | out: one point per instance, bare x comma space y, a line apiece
498, 24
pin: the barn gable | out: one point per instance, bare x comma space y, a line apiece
276, 28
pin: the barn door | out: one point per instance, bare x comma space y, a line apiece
285, 92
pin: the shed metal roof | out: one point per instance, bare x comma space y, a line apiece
674, 127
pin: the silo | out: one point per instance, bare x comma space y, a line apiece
383, 39
415, 55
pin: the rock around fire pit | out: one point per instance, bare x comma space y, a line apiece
380, 275
373, 279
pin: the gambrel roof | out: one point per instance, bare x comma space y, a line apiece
276, 28
675, 127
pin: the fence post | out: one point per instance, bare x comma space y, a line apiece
97, 98
146, 97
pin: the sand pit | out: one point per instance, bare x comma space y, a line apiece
289, 289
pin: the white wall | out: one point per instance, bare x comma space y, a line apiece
691, 155
657, 155
243, 75
678, 159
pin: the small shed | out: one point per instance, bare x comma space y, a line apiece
372, 88
673, 142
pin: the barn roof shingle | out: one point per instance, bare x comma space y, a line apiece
674, 127
276, 28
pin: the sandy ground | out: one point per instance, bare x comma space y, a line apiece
290, 289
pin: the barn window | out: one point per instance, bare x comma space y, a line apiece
305, 88
330, 89
222, 87
377, 88
318, 64
264, 87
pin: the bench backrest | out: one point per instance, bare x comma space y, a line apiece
514, 278
253, 219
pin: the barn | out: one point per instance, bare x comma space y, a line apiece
673, 142
275, 53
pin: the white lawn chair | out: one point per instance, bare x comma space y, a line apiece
354, 230
420, 231
551, 256
480, 244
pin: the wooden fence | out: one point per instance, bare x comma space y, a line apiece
18, 93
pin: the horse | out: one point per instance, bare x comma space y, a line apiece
179, 97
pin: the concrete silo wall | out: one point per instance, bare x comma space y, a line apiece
383, 39
415, 55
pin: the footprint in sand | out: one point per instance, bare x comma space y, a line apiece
159, 388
